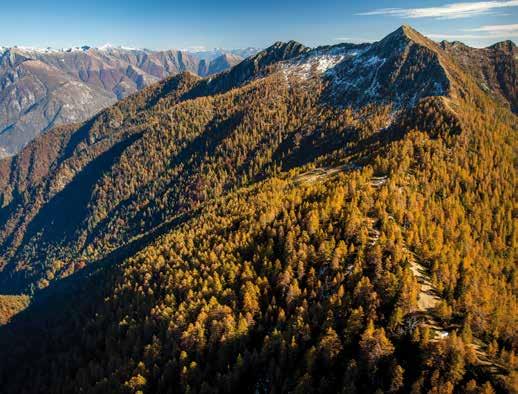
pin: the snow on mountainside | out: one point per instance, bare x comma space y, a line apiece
400, 69
322, 59
405, 67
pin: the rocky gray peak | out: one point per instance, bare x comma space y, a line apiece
401, 69
402, 37
446, 45
282, 51
252, 67
203, 68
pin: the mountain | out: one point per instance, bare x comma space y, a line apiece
401, 69
494, 68
310, 220
222, 63
40, 89
210, 54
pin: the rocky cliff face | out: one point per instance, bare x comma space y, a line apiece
40, 89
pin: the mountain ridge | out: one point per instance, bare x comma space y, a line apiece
495, 68
287, 224
89, 90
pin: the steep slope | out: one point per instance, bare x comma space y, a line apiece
254, 230
35, 96
222, 63
494, 68
90, 167
251, 68
43, 88
402, 68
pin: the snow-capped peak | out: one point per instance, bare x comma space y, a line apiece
47, 50
78, 48
109, 47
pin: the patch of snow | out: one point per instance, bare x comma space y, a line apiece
105, 47
372, 61
109, 47
320, 60
324, 63
34, 50
83, 48
48, 50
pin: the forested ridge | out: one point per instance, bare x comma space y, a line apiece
251, 235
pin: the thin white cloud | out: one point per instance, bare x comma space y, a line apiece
446, 11
482, 32
496, 28
446, 36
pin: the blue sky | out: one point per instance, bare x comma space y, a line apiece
160, 24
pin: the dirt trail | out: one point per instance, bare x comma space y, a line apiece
485, 360
374, 233
428, 298
321, 173
377, 181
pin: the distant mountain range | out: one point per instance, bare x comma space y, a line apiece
42, 88
211, 54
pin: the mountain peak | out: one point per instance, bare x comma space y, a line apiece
279, 51
405, 34
406, 29
507, 46
401, 69
223, 62
403, 31
290, 46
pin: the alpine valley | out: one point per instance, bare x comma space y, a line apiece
43, 88
306, 220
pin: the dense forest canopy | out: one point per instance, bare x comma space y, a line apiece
271, 230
